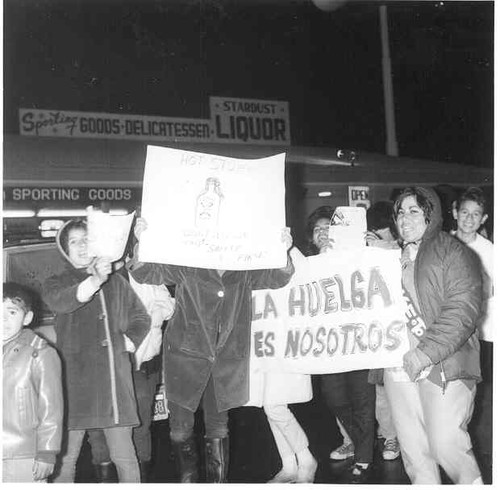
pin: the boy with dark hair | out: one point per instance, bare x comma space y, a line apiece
32, 394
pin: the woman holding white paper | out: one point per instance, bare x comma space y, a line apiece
94, 309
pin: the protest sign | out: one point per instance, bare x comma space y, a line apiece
107, 234
348, 227
212, 211
341, 312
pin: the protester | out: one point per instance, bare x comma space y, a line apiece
381, 234
206, 352
94, 309
432, 396
470, 214
274, 391
349, 396
32, 394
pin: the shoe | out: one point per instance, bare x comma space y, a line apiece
345, 451
391, 449
216, 459
106, 472
360, 474
307, 467
284, 476
186, 456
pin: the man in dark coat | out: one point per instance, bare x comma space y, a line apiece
206, 352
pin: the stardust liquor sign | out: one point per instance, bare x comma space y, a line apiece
232, 120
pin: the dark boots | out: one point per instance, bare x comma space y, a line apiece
217, 459
106, 473
186, 456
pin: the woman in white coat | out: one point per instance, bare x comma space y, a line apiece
274, 391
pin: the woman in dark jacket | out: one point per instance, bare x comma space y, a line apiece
206, 352
432, 396
94, 309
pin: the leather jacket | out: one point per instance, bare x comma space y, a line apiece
32, 399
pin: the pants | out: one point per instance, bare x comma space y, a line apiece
98, 446
145, 388
121, 448
19, 471
289, 436
345, 436
431, 427
351, 398
383, 414
182, 419
481, 426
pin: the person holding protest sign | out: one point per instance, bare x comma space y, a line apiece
274, 391
470, 214
206, 352
432, 395
348, 395
94, 310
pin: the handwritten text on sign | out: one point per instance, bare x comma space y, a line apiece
212, 211
340, 312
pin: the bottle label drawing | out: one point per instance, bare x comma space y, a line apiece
208, 204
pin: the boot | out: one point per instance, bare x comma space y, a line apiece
144, 467
186, 456
106, 472
216, 459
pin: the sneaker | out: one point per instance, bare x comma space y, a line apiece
360, 473
345, 451
391, 449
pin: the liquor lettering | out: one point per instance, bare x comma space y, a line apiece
254, 128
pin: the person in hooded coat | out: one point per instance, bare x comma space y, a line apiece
432, 395
94, 310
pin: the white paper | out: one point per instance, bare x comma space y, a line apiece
348, 227
107, 234
213, 212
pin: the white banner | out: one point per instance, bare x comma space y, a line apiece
213, 212
340, 312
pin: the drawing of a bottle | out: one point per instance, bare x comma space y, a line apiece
208, 204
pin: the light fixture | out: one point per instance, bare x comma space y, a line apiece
18, 213
324, 194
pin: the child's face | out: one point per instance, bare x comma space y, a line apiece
77, 247
320, 232
470, 217
15, 317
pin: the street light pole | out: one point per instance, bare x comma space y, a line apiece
391, 144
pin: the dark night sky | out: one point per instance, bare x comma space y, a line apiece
167, 57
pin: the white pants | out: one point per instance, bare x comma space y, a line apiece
289, 436
383, 414
432, 429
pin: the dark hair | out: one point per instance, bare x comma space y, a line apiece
474, 194
77, 224
379, 216
423, 202
323, 212
18, 294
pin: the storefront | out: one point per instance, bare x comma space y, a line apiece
50, 179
